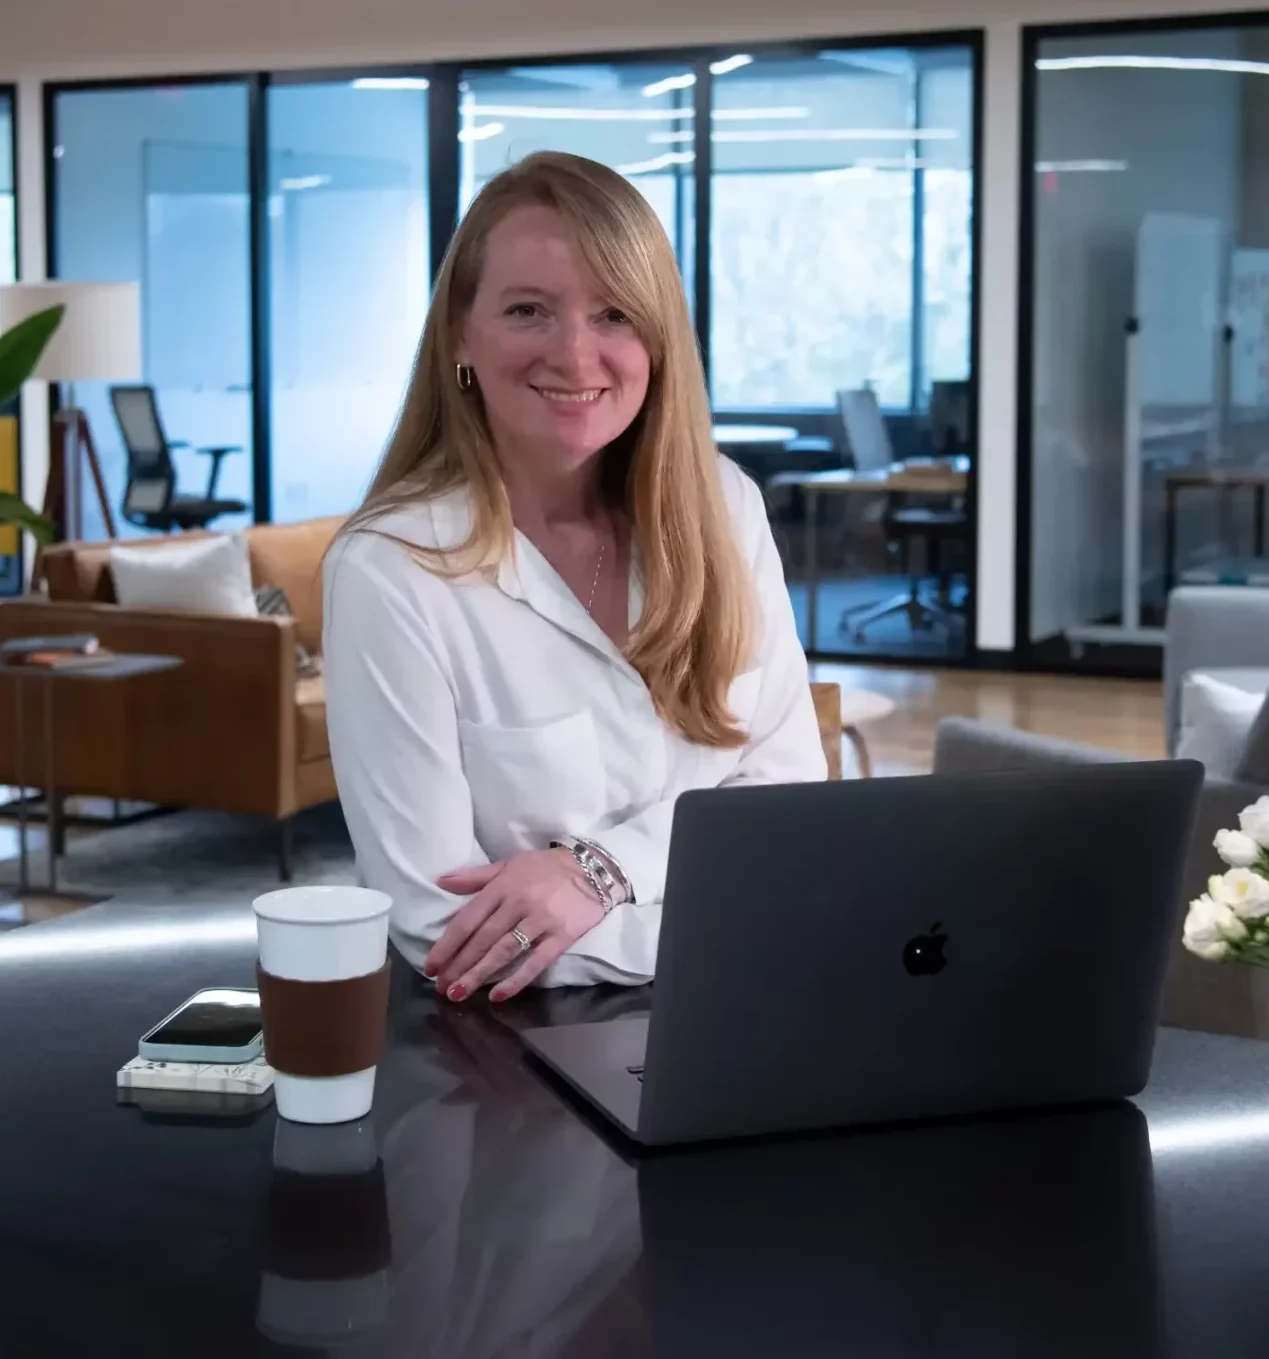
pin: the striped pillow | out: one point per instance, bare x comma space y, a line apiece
271, 602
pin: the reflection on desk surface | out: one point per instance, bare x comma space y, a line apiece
1019, 1237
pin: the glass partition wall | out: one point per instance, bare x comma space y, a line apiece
149, 184
1144, 447
819, 199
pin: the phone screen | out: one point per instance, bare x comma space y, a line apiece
213, 1019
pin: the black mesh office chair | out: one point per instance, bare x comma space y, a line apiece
151, 500
940, 528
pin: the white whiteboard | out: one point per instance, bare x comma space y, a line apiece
1180, 285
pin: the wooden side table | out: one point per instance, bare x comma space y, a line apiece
119, 668
860, 706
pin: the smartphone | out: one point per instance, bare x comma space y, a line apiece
218, 1025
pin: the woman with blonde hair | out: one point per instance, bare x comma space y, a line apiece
558, 608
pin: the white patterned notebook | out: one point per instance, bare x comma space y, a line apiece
221, 1078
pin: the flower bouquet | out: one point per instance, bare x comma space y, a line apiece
1230, 921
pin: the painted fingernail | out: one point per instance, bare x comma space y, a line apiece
497, 994
457, 992
429, 970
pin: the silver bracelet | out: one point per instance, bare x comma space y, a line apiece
596, 874
623, 877
603, 858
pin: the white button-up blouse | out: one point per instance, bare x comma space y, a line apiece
472, 718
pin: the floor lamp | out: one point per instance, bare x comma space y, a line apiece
99, 340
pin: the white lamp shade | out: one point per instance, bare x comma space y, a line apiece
99, 339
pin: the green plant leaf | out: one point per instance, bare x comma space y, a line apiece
15, 510
21, 347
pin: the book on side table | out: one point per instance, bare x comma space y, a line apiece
71, 652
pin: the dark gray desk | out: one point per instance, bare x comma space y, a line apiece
501, 1223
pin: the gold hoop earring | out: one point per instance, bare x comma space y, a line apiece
464, 377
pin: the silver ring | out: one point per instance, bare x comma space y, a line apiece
522, 939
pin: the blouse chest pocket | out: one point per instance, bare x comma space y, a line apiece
531, 782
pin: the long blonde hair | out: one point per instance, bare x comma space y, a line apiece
696, 629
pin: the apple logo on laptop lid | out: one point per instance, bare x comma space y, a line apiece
923, 954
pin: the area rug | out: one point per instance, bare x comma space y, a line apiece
191, 855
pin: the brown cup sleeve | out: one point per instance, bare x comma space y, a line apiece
328, 1028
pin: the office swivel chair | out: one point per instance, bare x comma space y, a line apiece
949, 418
903, 524
151, 500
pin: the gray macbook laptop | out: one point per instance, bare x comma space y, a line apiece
887, 949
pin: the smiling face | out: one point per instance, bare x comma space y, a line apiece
561, 369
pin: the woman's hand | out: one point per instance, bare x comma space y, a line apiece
542, 892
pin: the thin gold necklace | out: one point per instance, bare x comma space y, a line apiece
594, 585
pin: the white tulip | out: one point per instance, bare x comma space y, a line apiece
1206, 926
1236, 848
1255, 821
1243, 890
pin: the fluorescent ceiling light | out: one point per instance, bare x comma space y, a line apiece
868, 163
661, 162
481, 133
674, 82
297, 183
1153, 64
836, 134
844, 134
730, 64
390, 83
1060, 167
550, 113
778, 111
890, 163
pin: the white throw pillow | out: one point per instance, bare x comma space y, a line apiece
1216, 719
205, 575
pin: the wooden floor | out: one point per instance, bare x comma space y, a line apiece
1125, 715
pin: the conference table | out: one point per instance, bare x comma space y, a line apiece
942, 477
1212, 477
763, 450
479, 1213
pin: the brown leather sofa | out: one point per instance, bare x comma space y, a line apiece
233, 729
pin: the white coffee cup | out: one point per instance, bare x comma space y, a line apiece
322, 934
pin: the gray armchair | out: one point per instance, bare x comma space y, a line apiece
1213, 629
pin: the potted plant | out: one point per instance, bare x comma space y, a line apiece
1230, 921
20, 351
